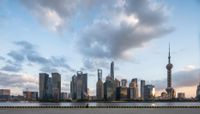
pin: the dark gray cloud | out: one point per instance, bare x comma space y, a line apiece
12, 68
16, 56
180, 79
94, 64
28, 53
137, 23
2, 58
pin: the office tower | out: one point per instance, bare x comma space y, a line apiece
4, 94
133, 89
73, 88
109, 89
149, 92
122, 93
99, 86
198, 92
170, 91
142, 84
116, 85
56, 86
49, 88
30, 95
112, 70
79, 90
123, 82
43, 86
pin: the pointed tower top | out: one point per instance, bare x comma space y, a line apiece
169, 57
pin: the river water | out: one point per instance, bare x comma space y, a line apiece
23, 103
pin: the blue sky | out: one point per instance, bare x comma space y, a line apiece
66, 36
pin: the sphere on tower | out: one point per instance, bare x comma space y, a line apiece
169, 66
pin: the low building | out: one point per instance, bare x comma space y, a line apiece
64, 96
181, 96
164, 96
4, 94
30, 95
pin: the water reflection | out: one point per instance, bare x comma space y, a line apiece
23, 103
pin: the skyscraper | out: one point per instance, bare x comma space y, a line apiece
112, 70
170, 91
198, 92
116, 85
133, 89
73, 88
56, 86
99, 86
142, 84
43, 86
122, 91
109, 89
149, 92
49, 87
79, 90
123, 82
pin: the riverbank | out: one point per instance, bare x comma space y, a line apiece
102, 111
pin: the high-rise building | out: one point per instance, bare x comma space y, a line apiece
123, 82
43, 86
149, 92
99, 86
122, 93
56, 86
109, 89
49, 87
79, 90
112, 70
116, 85
198, 92
73, 88
170, 91
4, 94
133, 89
142, 84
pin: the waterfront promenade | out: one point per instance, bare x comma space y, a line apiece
100, 111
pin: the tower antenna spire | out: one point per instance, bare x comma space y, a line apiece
169, 57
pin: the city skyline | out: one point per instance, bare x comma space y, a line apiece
44, 36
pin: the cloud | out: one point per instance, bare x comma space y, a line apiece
18, 81
184, 78
16, 56
94, 64
130, 27
28, 53
11, 68
50, 13
59, 14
